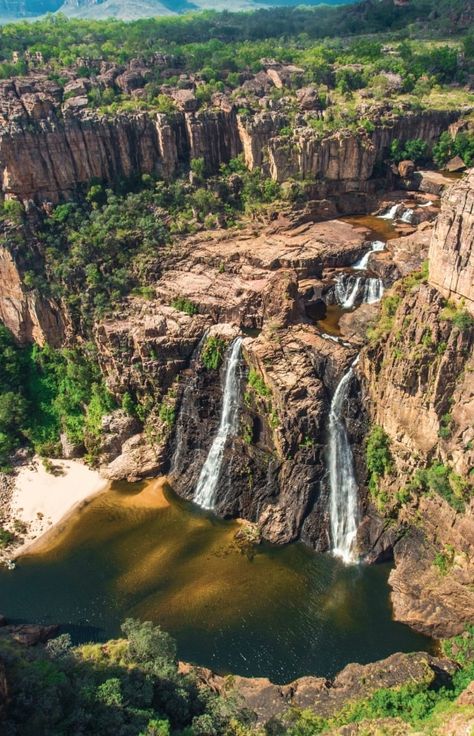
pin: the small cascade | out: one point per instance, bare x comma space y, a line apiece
347, 290
344, 492
373, 291
376, 247
391, 213
352, 290
407, 217
206, 489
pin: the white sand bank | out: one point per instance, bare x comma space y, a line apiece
41, 499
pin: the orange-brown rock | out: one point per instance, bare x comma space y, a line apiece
326, 697
28, 315
452, 246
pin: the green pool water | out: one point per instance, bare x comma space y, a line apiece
140, 551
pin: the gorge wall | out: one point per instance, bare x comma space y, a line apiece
418, 382
49, 149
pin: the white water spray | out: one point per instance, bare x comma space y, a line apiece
346, 290
407, 217
373, 291
351, 290
391, 213
344, 501
376, 247
206, 489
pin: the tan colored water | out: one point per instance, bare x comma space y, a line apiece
141, 551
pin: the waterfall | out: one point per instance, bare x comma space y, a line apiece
344, 501
407, 217
350, 290
346, 290
373, 291
391, 213
206, 489
376, 247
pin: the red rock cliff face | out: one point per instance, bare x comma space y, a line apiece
419, 388
28, 315
452, 247
48, 150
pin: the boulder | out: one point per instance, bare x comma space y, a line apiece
31, 634
455, 164
406, 169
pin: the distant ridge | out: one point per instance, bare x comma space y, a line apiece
11, 10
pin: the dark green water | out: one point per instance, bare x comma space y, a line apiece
139, 551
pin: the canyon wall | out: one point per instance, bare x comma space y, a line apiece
49, 150
417, 379
452, 251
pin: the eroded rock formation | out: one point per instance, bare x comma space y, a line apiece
418, 384
452, 251
50, 149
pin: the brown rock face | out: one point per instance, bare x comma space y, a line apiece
48, 151
326, 697
434, 601
419, 388
452, 246
29, 316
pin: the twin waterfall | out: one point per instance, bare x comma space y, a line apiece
344, 492
351, 290
205, 494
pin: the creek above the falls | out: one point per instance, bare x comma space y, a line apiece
138, 550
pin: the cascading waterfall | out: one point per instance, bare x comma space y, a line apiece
391, 213
344, 492
407, 216
346, 290
351, 290
206, 489
376, 247
373, 291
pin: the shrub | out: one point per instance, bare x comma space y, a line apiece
458, 316
184, 305
414, 150
256, 381
213, 352
440, 479
379, 460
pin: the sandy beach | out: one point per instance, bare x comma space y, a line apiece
41, 497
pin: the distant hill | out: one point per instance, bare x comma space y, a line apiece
131, 9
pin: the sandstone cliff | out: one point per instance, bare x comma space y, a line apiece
50, 149
418, 385
452, 252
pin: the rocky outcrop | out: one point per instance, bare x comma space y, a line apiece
410, 379
452, 246
417, 379
327, 697
434, 595
26, 313
49, 150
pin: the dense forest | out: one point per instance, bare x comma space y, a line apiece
62, 39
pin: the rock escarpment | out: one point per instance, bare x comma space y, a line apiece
275, 466
49, 148
418, 383
30, 316
268, 702
451, 252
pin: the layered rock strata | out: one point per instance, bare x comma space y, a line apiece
50, 149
